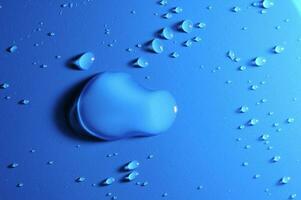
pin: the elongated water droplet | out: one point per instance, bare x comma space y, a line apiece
85, 61
132, 176
132, 165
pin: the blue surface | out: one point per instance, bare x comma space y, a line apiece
201, 148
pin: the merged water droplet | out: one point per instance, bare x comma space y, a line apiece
85, 61
113, 106
156, 46
186, 26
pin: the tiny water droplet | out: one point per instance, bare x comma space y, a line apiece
157, 46
132, 165
256, 176
51, 34
186, 26
20, 185
242, 68
165, 194
245, 164
85, 61
151, 156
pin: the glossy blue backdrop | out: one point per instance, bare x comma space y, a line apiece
204, 147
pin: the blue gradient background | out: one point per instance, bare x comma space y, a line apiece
201, 146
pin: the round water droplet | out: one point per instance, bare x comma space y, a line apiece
278, 49
85, 61
141, 62
186, 26
157, 46
260, 61
167, 33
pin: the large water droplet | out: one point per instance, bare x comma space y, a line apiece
113, 106
85, 61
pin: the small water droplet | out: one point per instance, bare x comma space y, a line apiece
243, 109
197, 39
278, 49
167, 33
163, 2
13, 165
187, 43
260, 61
174, 55
24, 102
156, 46
80, 179
201, 25
141, 62
242, 68
267, 3
293, 196
20, 185
109, 181
131, 176
4, 85
245, 164
177, 10
132, 165
285, 180
186, 26
85, 61
256, 176
264, 137
290, 120
51, 34
165, 194
276, 158
253, 87
236, 9
167, 15
12, 49
151, 156
253, 122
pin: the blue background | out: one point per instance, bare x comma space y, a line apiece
201, 148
